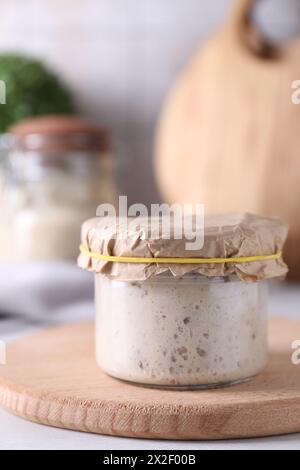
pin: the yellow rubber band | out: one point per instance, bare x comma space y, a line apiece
131, 259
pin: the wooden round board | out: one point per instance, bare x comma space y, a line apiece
52, 378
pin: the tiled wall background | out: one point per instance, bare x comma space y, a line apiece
120, 56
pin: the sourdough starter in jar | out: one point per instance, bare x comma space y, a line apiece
188, 332
177, 318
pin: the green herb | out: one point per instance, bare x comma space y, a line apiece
31, 90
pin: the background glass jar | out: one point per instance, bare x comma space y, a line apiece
193, 332
55, 172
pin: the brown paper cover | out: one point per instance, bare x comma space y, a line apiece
225, 236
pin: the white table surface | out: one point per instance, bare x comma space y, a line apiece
16, 433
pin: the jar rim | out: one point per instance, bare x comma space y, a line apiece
58, 133
167, 277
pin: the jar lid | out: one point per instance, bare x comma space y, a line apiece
59, 133
247, 245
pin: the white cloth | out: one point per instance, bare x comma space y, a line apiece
40, 294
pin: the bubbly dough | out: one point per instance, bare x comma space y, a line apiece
191, 331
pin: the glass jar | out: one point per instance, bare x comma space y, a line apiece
168, 316
55, 171
191, 332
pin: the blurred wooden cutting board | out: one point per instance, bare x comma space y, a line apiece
229, 134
